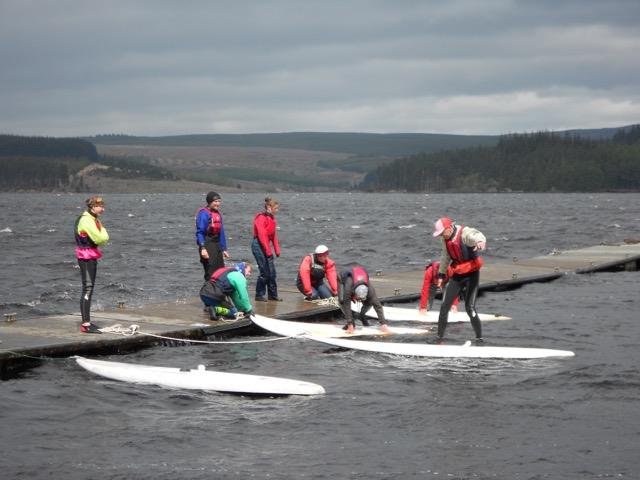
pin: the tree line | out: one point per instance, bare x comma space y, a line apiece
536, 162
42, 163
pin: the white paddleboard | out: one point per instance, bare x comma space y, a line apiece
199, 379
288, 328
397, 314
443, 351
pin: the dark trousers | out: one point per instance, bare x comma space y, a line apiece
470, 284
215, 260
88, 270
267, 278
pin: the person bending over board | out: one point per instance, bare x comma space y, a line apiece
430, 285
460, 247
226, 292
354, 286
313, 269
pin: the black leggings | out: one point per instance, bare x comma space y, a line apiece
88, 269
470, 283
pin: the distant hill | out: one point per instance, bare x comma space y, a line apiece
365, 144
369, 144
538, 162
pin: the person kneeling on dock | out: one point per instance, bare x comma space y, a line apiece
460, 247
430, 286
226, 292
354, 286
312, 272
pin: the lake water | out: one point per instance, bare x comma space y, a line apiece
383, 416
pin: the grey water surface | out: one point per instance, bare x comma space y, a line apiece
382, 416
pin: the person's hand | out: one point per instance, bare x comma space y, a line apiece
481, 245
225, 254
439, 284
204, 254
454, 308
422, 311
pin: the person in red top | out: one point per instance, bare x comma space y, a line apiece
265, 237
429, 287
312, 272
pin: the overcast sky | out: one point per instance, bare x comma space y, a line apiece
83, 67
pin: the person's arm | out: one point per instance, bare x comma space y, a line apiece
305, 275
202, 224
347, 292
332, 276
276, 243
473, 238
94, 229
223, 237
372, 300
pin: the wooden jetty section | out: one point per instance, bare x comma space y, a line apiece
26, 341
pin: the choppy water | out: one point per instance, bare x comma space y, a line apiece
383, 416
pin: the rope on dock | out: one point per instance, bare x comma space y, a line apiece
134, 329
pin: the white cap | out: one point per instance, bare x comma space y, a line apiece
320, 249
361, 292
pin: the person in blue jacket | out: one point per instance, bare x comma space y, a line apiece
210, 237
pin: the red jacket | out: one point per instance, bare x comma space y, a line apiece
431, 278
264, 229
329, 272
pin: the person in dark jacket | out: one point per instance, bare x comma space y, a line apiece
354, 286
210, 236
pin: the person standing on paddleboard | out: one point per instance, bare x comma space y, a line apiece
210, 236
354, 286
430, 285
264, 246
89, 234
460, 247
313, 269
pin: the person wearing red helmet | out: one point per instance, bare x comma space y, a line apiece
460, 247
313, 269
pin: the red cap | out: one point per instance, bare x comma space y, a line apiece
440, 226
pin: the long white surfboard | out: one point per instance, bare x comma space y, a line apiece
288, 328
199, 379
443, 351
397, 314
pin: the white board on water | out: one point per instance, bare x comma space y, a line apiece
199, 379
443, 351
288, 328
397, 314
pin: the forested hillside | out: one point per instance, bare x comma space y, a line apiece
538, 162
40, 163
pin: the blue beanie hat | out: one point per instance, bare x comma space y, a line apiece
240, 267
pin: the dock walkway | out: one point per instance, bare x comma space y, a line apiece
24, 341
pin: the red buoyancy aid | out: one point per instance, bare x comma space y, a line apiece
464, 259
360, 276
219, 277
215, 225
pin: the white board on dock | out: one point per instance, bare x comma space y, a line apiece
443, 351
199, 379
288, 328
398, 314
